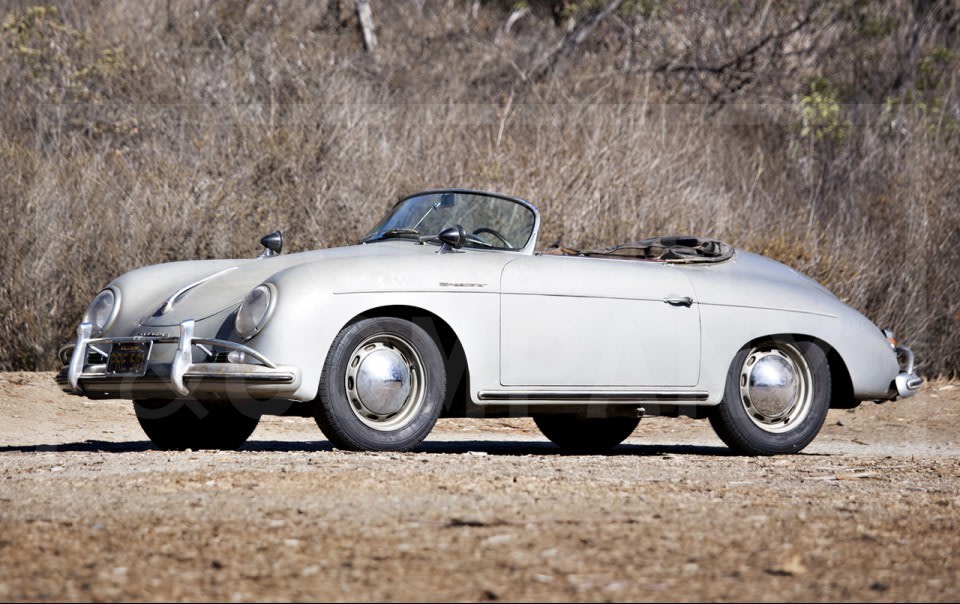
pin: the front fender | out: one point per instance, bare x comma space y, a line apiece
314, 303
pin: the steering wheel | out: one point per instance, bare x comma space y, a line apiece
493, 232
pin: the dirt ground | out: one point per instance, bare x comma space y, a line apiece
485, 510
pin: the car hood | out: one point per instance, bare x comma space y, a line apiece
205, 288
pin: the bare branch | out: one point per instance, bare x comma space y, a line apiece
365, 13
547, 62
737, 61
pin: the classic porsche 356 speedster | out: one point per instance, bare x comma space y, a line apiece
446, 308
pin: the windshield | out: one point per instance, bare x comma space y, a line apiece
490, 222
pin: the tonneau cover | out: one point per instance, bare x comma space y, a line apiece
673, 248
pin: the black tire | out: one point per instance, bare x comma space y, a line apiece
347, 420
585, 434
187, 424
750, 429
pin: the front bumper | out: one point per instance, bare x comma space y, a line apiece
181, 377
907, 382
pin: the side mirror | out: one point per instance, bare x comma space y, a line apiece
272, 244
452, 239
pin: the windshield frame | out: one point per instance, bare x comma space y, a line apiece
527, 248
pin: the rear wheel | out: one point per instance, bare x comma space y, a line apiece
776, 398
188, 424
586, 434
383, 386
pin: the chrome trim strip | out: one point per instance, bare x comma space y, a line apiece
283, 377
618, 396
438, 290
801, 311
168, 303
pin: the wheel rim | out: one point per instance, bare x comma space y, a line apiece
384, 382
776, 387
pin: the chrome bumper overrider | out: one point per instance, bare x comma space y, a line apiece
907, 382
218, 377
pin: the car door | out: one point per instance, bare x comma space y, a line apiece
583, 322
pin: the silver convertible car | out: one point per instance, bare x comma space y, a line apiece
446, 309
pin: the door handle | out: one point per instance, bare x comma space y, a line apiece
678, 300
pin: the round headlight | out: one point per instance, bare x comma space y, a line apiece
102, 311
254, 311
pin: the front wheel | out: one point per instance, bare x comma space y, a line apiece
382, 387
776, 398
187, 424
585, 434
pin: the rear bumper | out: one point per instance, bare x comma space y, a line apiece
182, 376
907, 382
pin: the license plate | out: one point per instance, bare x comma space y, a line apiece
128, 359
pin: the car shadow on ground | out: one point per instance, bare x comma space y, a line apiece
455, 447
508, 447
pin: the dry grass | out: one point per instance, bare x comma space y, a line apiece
218, 123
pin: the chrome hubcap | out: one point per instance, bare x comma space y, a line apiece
384, 382
776, 387
772, 385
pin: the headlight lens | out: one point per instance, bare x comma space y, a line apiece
102, 311
254, 311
